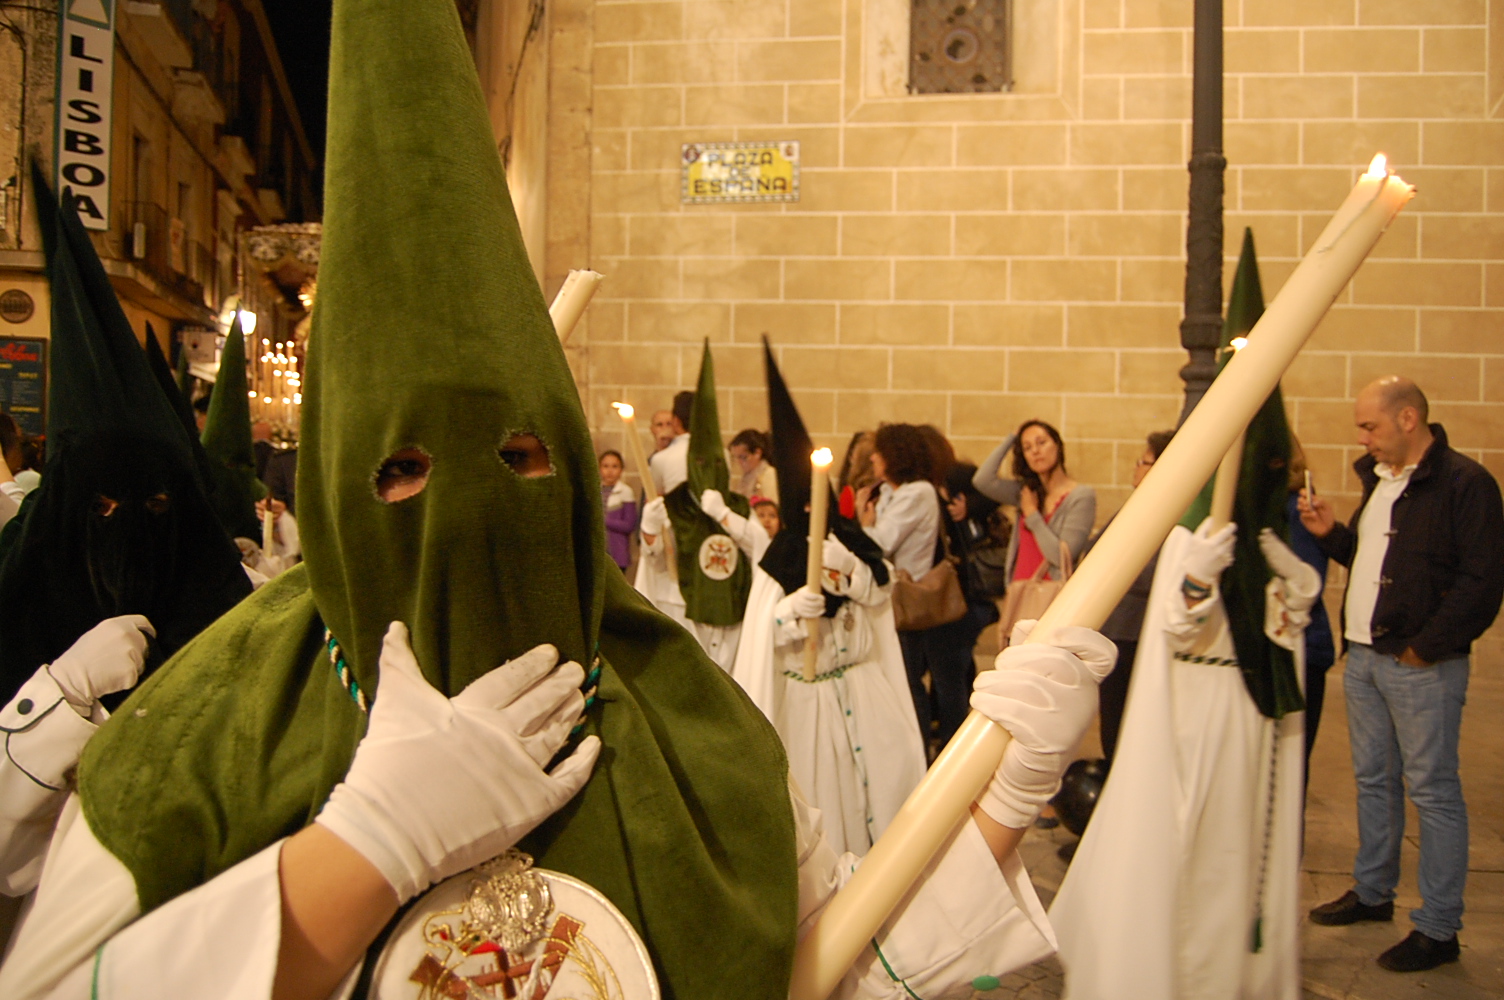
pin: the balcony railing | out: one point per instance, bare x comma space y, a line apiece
148, 243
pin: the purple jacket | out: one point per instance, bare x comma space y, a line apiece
621, 521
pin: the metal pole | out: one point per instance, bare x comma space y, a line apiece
1201, 329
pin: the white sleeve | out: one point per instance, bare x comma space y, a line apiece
43, 736
966, 917
897, 519
748, 533
179, 949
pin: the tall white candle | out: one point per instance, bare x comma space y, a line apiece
1225, 490
942, 799
645, 471
819, 504
569, 305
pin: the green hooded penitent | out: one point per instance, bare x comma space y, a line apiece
227, 442
713, 576
120, 524
1263, 488
157, 361
431, 342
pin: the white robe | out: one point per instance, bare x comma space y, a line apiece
658, 585
1161, 896
852, 743
85, 939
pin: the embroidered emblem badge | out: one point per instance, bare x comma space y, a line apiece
718, 557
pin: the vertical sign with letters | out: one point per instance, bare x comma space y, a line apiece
85, 70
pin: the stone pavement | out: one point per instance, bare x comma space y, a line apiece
1339, 961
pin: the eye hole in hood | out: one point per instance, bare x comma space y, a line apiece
526, 455
403, 475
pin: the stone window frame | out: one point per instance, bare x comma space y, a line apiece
1046, 68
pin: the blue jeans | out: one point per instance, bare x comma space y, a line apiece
1403, 724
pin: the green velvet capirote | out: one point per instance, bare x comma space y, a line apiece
431, 337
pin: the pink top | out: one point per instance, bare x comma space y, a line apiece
1029, 555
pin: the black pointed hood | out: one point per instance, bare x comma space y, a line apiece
120, 524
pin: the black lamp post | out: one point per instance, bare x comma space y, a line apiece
1201, 329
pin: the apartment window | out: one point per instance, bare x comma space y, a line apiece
960, 47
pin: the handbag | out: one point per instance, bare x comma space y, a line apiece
935, 598
1028, 599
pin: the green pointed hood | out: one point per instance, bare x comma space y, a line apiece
714, 575
430, 334
157, 362
1263, 488
180, 372
227, 442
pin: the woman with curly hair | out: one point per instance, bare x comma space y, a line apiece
1052, 507
905, 522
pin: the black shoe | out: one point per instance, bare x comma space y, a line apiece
1349, 910
1417, 953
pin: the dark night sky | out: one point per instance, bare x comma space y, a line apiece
301, 28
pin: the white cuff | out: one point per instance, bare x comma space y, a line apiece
43, 733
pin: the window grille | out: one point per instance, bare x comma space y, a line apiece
960, 47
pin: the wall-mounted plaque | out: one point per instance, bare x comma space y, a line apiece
714, 172
16, 305
23, 382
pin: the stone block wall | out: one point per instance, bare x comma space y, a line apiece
974, 260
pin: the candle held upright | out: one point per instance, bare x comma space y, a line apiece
819, 509
943, 798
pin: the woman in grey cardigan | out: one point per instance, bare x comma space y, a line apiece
1052, 507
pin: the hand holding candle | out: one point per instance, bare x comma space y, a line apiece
942, 799
819, 504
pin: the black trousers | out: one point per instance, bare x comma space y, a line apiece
945, 653
1114, 697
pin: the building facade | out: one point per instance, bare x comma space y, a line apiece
200, 140
975, 259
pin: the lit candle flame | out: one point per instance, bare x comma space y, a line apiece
1378, 166
625, 410
1238, 343
822, 457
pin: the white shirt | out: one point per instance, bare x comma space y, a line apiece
671, 465
908, 522
1373, 546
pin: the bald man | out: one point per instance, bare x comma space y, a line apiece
665, 430
1425, 558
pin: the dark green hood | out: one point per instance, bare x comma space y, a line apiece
431, 333
227, 442
1263, 490
709, 596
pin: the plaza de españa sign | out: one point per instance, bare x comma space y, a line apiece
85, 72
713, 172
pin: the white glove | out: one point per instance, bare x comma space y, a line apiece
1045, 696
1302, 584
654, 517
438, 784
714, 505
107, 658
1208, 554
838, 557
806, 603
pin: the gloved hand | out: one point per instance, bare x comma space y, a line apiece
1302, 584
807, 604
438, 784
1045, 696
835, 555
107, 658
714, 505
1209, 553
654, 517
